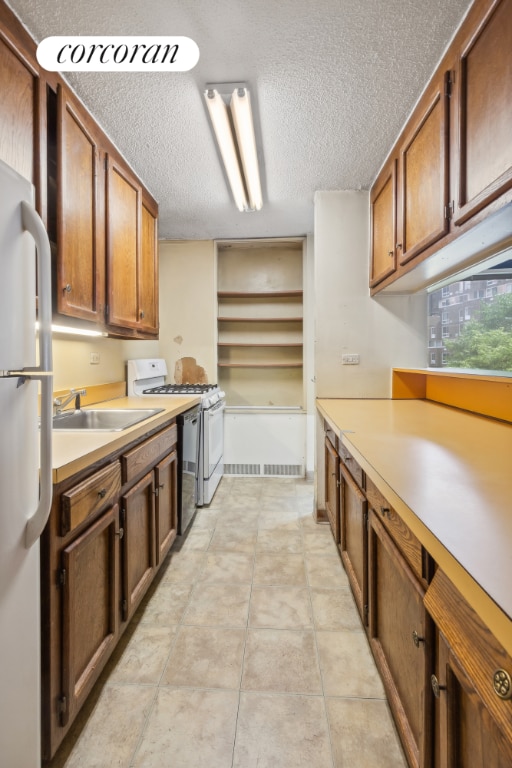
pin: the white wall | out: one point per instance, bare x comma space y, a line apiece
386, 332
188, 304
72, 361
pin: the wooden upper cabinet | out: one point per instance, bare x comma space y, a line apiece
485, 112
80, 285
19, 111
148, 294
424, 179
131, 263
383, 225
123, 245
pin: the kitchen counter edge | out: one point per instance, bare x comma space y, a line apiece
493, 615
73, 451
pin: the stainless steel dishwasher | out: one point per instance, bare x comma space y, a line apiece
189, 433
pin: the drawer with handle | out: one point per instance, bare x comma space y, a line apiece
143, 456
403, 537
90, 496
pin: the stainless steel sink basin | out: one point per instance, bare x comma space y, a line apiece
103, 419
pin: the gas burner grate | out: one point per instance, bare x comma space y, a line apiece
180, 389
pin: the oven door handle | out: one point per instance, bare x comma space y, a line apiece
220, 406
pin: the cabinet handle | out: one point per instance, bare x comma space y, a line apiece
398, 245
436, 687
390, 253
417, 639
348, 458
502, 684
67, 288
385, 512
102, 493
141, 315
120, 533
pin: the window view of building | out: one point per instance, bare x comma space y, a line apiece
470, 324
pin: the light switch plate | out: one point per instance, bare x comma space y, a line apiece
350, 359
94, 358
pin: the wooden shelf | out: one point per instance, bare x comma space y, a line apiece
258, 344
259, 294
260, 365
260, 319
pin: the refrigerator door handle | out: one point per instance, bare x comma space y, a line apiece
32, 223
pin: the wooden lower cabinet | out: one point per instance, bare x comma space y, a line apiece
473, 723
109, 530
166, 515
354, 539
90, 614
401, 641
138, 543
332, 497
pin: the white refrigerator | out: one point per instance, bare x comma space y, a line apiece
25, 463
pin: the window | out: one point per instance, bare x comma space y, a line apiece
432, 358
478, 335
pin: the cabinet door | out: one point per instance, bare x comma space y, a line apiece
473, 687
148, 298
424, 175
90, 609
485, 112
19, 113
332, 497
383, 225
138, 521
467, 736
354, 539
80, 226
123, 246
166, 477
400, 634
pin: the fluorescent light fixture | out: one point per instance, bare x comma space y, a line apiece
244, 129
234, 130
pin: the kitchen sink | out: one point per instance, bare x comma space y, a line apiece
103, 419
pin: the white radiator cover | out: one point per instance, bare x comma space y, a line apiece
265, 444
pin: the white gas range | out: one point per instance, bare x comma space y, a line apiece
147, 378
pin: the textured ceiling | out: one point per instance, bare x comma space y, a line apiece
333, 82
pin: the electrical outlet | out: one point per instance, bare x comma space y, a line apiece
350, 359
94, 358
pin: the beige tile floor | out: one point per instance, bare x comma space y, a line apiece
247, 652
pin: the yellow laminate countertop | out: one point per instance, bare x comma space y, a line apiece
448, 473
73, 451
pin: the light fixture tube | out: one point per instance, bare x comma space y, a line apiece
73, 331
244, 128
217, 110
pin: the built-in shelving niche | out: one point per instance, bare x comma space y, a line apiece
260, 315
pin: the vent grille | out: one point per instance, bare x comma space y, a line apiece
288, 470
265, 470
241, 469
189, 466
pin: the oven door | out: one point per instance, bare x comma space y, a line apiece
213, 449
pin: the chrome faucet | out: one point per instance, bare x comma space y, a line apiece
60, 403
